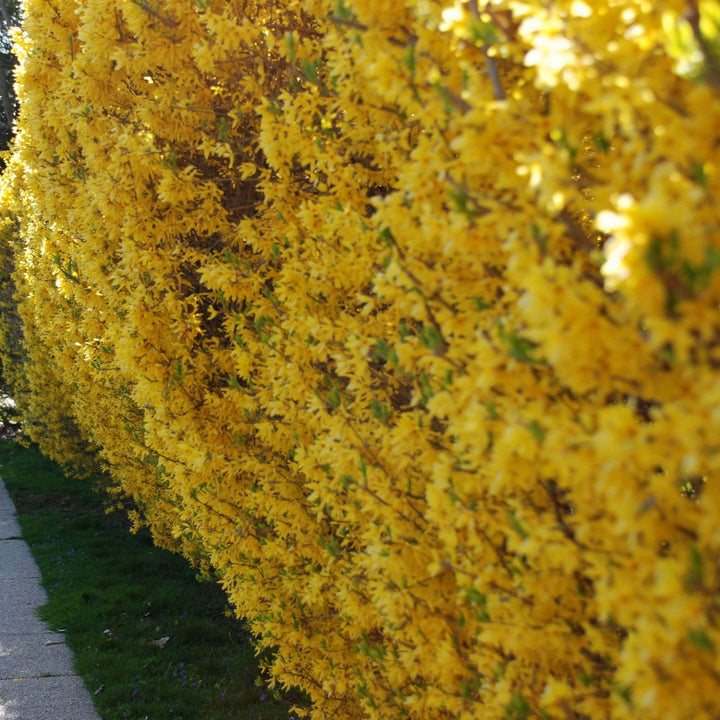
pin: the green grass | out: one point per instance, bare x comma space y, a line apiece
115, 595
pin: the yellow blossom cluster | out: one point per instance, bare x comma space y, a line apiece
404, 317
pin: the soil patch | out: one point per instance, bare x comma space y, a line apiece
28, 502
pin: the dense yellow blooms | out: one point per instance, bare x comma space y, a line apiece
404, 317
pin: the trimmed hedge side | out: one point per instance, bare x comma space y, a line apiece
404, 318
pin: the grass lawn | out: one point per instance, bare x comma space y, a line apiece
150, 640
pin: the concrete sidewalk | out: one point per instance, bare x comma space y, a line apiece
37, 680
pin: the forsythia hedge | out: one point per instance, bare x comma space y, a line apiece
404, 317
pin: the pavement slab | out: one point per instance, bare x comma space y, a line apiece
9, 526
37, 677
5, 498
38, 655
22, 595
46, 698
16, 561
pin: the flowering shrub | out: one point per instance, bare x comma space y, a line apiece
404, 317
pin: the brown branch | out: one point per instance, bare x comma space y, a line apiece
713, 69
353, 24
492, 68
480, 209
169, 22
556, 498
575, 231
498, 554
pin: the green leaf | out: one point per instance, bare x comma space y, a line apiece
518, 708
560, 138
342, 12
224, 129
409, 59
588, 679
479, 600
311, 70
346, 481
695, 576
518, 347
482, 32
332, 545
333, 397
425, 387
537, 431
622, 691
291, 46
492, 410
515, 524
699, 175
386, 236
379, 411
179, 370
462, 202
386, 351
601, 142
541, 238
701, 640
431, 338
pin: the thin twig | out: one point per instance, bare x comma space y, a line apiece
169, 22
713, 70
498, 92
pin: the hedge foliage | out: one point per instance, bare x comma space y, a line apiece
402, 316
